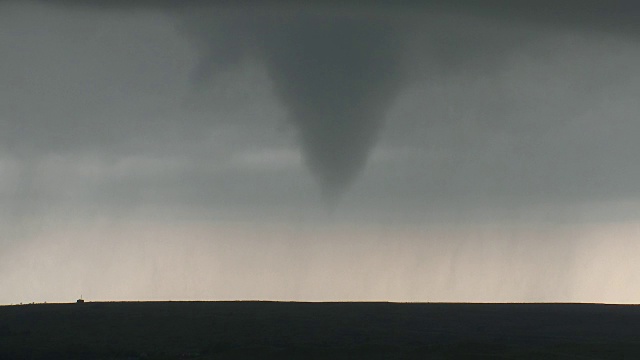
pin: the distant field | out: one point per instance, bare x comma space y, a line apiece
278, 330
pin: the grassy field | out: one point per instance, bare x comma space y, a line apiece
237, 330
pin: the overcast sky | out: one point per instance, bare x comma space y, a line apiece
441, 152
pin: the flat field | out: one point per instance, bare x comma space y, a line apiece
293, 330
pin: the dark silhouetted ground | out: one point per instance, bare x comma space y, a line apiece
278, 330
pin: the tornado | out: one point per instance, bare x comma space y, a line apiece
337, 77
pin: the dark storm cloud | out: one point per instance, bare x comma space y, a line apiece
115, 87
337, 68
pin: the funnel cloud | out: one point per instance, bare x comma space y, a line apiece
338, 78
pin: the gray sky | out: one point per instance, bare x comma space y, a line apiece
441, 152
